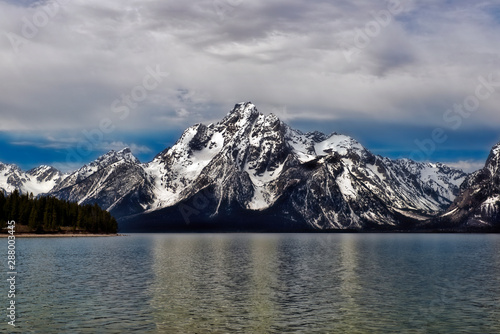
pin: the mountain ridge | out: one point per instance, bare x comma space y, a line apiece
254, 165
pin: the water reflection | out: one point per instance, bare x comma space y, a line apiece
260, 283
212, 282
350, 289
311, 283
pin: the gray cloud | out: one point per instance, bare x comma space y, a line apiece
282, 53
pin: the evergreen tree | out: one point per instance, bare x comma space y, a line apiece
3, 219
14, 208
25, 210
33, 219
54, 223
47, 217
50, 214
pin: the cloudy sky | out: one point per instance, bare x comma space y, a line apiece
407, 78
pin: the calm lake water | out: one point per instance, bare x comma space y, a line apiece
258, 283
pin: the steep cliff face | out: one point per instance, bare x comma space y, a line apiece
478, 204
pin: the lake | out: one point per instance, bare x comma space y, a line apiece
257, 283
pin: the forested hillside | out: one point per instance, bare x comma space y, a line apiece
49, 214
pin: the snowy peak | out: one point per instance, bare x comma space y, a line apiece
241, 116
196, 147
245, 121
38, 181
112, 157
116, 181
338, 143
11, 178
313, 145
244, 142
104, 162
244, 109
108, 159
496, 150
44, 173
493, 161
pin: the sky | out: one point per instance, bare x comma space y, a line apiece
406, 78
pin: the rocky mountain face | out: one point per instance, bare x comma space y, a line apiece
254, 165
478, 204
116, 181
37, 181
252, 171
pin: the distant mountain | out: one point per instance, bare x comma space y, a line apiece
478, 204
117, 182
37, 181
253, 172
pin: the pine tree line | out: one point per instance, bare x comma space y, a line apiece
49, 214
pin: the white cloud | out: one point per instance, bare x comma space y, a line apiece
467, 166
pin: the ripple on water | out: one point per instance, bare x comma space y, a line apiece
260, 283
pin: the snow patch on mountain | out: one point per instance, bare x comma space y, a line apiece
176, 169
346, 187
38, 181
496, 150
337, 143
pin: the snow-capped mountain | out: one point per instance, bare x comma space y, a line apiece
478, 204
38, 181
252, 171
116, 181
252, 168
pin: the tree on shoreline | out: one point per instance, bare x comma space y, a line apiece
49, 214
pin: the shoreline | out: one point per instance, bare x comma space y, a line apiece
60, 235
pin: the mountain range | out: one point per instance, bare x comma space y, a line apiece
252, 172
